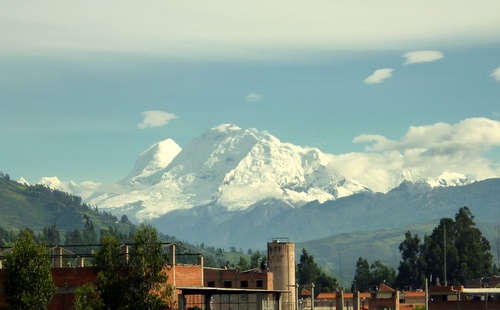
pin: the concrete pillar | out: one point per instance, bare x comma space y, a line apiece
396, 306
172, 260
355, 300
80, 262
58, 251
340, 300
124, 252
312, 296
201, 270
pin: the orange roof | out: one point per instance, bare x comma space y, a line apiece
333, 295
414, 294
385, 288
327, 296
305, 292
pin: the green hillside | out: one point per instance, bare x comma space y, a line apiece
338, 254
37, 206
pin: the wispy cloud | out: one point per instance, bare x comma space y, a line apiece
379, 76
424, 152
253, 97
496, 74
416, 57
243, 26
155, 119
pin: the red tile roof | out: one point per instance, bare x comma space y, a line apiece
385, 288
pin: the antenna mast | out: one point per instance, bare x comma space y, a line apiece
444, 253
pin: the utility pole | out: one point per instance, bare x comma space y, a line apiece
312, 296
444, 247
340, 271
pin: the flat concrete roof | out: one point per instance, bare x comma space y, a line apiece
482, 290
195, 290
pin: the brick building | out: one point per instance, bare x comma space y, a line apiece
195, 287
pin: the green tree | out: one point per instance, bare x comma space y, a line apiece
410, 268
382, 274
117, 234
362, 280
146, 275
467, 254
309, 272
456, 251
255, 259
243, 264
89, 234
51, 235
111, 273
368, 276
326, 283
73, 237
87, 297
138, 282
307, 269
473, 249
28, 281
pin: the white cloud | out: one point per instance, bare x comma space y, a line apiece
424, 152
155, 119
254, 97
496, 74
422, 56
243, 29
379, 76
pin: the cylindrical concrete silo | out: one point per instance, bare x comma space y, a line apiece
281, 256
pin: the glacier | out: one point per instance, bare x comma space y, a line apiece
234, 169
228, 166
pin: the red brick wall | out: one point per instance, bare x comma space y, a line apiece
68, 279
218, 276
185, 275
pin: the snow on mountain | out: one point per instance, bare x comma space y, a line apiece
83, 189
283, 171
449, 179
23, 181
153, 159
231, 167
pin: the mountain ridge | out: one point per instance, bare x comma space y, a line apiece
231, 167
228, 176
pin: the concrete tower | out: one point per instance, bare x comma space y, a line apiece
281, 256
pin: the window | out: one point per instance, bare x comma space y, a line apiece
227, 284
244, 283
259, 283
211, 284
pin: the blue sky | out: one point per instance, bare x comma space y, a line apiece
78, 78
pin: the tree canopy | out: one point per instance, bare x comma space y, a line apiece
308, 272
456, 251
136, 281
369, 276
28, 281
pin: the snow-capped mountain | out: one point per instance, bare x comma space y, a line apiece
449, 179
225, 166
240, 186
83, 189
152, 160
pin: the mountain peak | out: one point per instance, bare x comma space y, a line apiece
152, 160
226, 128
231, 167
449, 179
52, 182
